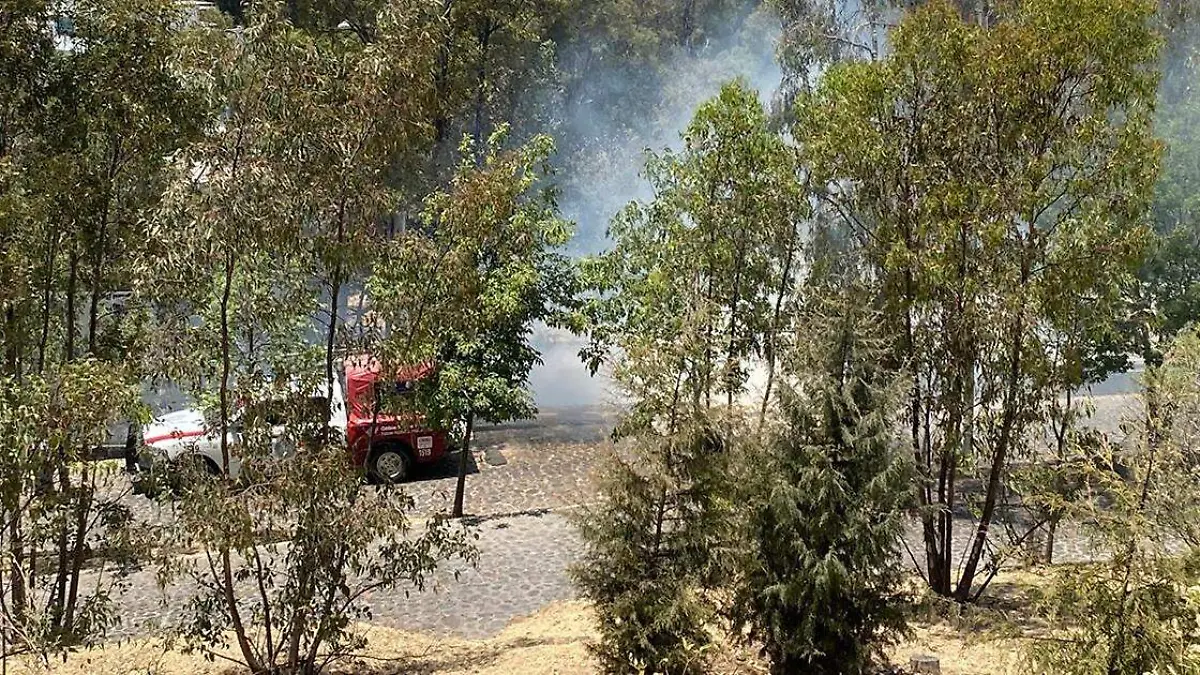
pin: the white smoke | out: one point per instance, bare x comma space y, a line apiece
610, 177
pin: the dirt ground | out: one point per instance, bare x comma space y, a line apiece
551, 642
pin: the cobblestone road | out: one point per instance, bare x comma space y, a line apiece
526, 539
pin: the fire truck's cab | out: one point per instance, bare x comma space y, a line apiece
389, 446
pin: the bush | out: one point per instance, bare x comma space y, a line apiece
1139, 610
292, 548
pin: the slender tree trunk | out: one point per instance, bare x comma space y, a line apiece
58, 596
1051, 531
735, 302
83, 500
101, 246
235, 616
442, 80
485, 41
72, 285
463, 462
96, 291
83, 506
335, 291
936, 560
226, 365
330, 343
227, 582
47, 296
1003, 445
16, 574
773, 338
1060, 438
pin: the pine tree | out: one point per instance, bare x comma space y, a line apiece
818, 577
650, 552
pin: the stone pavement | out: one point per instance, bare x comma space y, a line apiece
526, 540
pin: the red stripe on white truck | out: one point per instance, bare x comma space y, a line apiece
174, 435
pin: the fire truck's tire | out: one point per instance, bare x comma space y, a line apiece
390, 464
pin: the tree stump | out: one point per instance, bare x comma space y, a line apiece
924, 663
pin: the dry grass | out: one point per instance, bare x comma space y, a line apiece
551, 642
961, 653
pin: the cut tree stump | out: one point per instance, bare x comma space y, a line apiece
924, 663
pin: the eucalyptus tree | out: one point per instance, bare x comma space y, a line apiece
688, 298
1010, 175
266, 219
88, 162
465, 292
358, 114
718, 245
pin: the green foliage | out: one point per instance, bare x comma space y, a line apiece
87, 135
681, 304
996, 179
702, 270
466, 292
300, 547
271, 213
651, 551
1137, 611
49, 427
818, 578
499, 235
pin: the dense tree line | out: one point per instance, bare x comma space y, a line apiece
958, 222
837, 308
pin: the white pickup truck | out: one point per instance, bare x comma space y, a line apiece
187, 436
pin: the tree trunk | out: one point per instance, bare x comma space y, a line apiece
442, 80
58, 596
485, 41
239, 629
72, 281
225, 362
330, 342
463, 460
12, 366
83, 506
773, 338
1000, 455
687, 24
16, 575
1051, 530
47, 298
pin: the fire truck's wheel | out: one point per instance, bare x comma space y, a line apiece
389, 464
